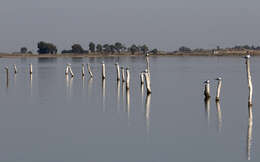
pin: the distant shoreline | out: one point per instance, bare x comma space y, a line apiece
204, 53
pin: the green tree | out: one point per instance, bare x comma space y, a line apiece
46, 48
92, 47
99, 48
154, 51
76, 48
184, 49
144, 49
118, 47
133, 49
23, 50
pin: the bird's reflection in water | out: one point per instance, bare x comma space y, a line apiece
14, 79
147, 112
219, 113
118, 96
249, 132
104, 95
128, 103
207, 109
90, 83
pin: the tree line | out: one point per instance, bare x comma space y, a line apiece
50, 48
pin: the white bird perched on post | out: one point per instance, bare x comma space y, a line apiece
207, 89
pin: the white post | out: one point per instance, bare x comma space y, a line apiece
127, 78
207, 89
147, 63
89, 71
142, 78
118, 71
71, 72
15, 69
249, 78
218, 89
148, 81
123, 74
67, 70
83, 70
30, 70
103, 71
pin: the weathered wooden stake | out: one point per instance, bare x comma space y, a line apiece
118, 71
148, 81
67, 70
123, 74
83, 70
15, 69
249, 79
30, 71
71, 72
89, 71
218, 89
142, 78
103, 70
207, 89
127, 78
147, 62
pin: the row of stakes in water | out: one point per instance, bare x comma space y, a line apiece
249, 79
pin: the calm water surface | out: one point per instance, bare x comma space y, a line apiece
51, 118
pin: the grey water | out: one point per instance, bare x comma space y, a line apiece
52, 118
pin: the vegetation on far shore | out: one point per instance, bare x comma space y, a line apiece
49, 49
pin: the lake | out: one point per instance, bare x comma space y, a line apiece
51, 118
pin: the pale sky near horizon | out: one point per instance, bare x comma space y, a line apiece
162, 24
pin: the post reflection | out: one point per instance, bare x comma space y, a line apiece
128, 103
90, 83
67, 84
142, 93
31, 82
118, 96
207, 109
83, 82
104, 95
219, 113
70, 86
147, 112
123, 93
249, 133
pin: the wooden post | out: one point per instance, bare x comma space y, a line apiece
83, 70
118, 71
249, 132
123, 74
30, 70
103, 70
67, 70
71, 72
148, 81
147, 112
249, 79
127, 78
15, 69
147, 62
89, 71
207, 89
142, 78
218, 89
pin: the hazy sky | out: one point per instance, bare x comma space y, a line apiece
165, 24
